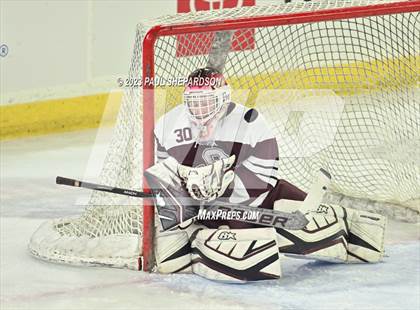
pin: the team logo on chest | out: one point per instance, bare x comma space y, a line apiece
213, 154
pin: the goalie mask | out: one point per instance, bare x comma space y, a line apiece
205, 95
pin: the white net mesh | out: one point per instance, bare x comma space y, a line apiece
109, 232
343, 94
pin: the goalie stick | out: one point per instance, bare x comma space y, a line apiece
175, 214
102, 188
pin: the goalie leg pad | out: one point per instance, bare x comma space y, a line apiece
366, 236
172, 252
324, 238
173, 248
364, 231
336, 234
236, 255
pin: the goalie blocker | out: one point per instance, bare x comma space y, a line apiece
334, 234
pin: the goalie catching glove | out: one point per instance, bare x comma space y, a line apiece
209, 182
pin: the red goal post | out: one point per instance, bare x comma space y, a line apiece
290, 18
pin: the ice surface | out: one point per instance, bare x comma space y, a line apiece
29, 196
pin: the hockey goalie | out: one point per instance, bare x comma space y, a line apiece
214, 152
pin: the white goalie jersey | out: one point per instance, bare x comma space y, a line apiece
242, 132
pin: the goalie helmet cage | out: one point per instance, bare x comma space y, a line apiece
360, 56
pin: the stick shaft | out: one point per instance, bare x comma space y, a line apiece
102, 188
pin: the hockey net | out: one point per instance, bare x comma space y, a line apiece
336, 80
